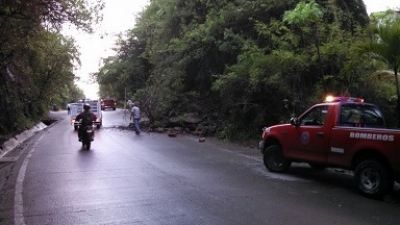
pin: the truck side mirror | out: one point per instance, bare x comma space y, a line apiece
294, 122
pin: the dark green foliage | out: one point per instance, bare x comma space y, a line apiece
254, 63
385, 46
36, 69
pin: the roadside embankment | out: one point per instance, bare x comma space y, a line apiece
13, 142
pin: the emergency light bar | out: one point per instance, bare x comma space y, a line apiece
342, 99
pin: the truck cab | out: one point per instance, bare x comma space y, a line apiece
340, 132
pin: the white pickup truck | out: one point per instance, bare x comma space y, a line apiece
77, 108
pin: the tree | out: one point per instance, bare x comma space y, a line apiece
385, 46
36, 67
304, 15
54, 13
237, 59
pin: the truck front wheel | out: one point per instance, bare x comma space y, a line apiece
373, 179
274, 159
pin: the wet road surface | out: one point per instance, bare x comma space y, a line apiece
155, 179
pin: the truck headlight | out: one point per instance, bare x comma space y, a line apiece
266, 129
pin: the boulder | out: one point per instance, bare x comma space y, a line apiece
178, 129
159, 129
193, 108
171, 134
191, 127
173, 122
191, 118
212, 129
200, 130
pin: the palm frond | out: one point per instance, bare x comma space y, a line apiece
381, 75
385, 45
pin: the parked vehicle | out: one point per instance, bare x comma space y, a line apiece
77, 108
108, 104
343, 133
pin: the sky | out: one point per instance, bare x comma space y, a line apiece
381, 5
119, 16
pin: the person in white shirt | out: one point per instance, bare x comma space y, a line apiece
135, 115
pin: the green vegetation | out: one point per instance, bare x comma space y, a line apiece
36, 61
384, 46
252, 63
243, 63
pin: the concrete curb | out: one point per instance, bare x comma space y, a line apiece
20, 138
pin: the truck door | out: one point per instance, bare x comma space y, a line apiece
311, 136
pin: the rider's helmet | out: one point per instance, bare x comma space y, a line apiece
86, 107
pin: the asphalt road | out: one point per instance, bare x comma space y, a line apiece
155, 179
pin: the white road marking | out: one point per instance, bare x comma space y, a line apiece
18, 198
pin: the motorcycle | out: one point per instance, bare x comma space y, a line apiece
87, 137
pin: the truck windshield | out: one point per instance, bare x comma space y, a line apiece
361, 115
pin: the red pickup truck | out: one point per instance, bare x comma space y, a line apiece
108, 103
343, 133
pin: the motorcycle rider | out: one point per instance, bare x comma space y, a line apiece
87, 118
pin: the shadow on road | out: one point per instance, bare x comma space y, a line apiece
337, 178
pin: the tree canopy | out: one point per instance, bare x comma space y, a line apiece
36, 61
245, 63
384, 45
251, 63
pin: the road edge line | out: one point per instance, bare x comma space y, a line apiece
18, 198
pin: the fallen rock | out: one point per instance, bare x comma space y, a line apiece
191, 118
171, 134
160, 129
200, 130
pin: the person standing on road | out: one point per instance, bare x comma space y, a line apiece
135, 114
69, 108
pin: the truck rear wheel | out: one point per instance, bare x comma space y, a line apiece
274, 159
373, 179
